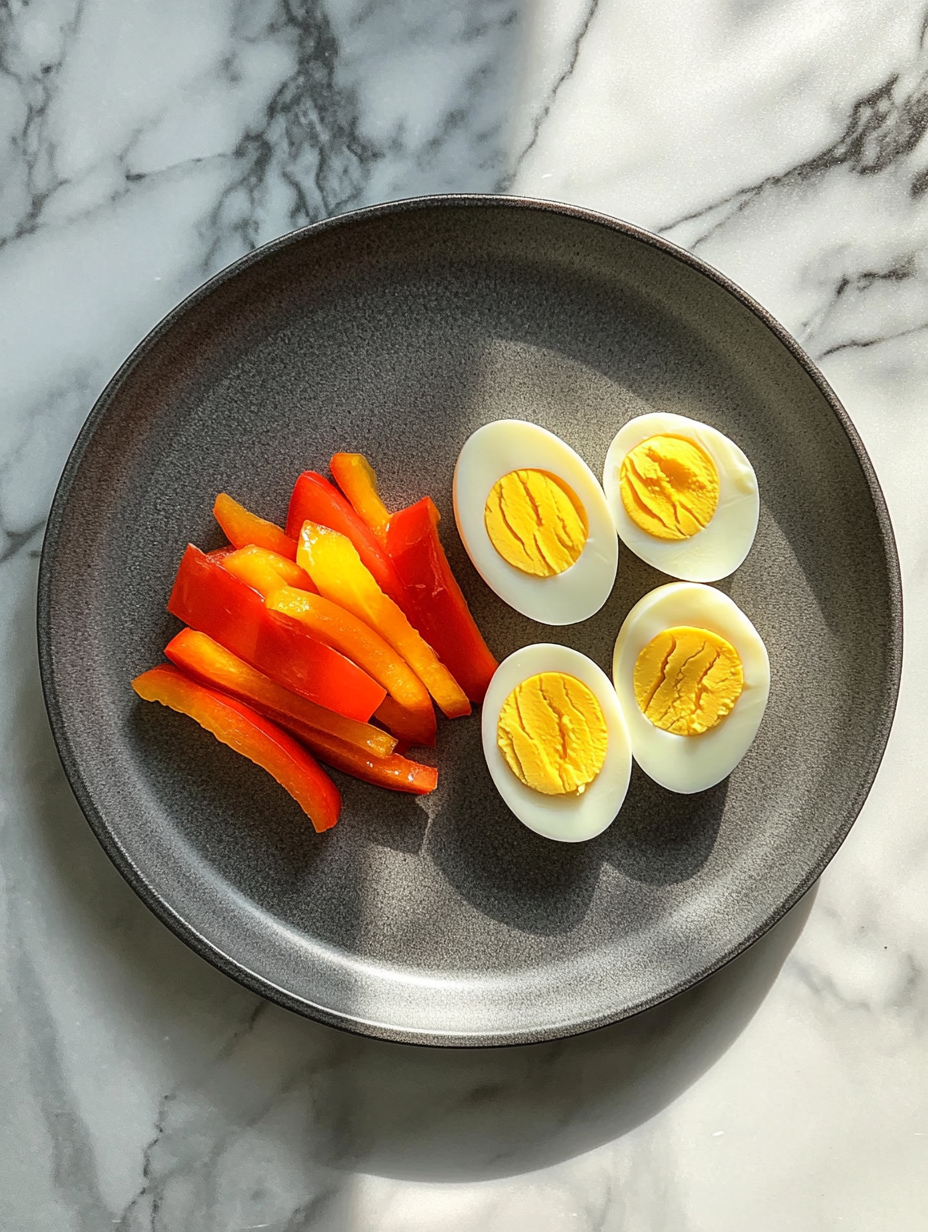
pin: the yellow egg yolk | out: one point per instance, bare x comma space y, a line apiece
535, 522
552, 734
687, 680
669, 486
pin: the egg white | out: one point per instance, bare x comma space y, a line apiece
721, 546
568, 819
512, 444
691, 763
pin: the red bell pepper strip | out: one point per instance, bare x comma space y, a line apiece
211, 664
248, 733
394, 772
355, 476
347, 633
439, 609
210, 599
241, 528
314, 499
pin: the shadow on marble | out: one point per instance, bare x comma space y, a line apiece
487, 1113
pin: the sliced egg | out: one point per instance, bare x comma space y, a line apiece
692, 677
540, 726
535, 522
683, 496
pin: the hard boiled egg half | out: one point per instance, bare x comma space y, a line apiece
683, 496
535, 522
556, 742
692, 677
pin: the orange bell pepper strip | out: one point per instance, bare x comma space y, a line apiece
355, 476
265, 571
241, 527
437, 606
211, 664
345, 632
214, 601
314, 499
333, 563
248, 733
396, 773
405, 724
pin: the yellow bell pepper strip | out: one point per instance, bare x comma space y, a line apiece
314, 499
211, 664
333, 563
266, 571
241, 527
396, 773
355, 476
435, 602
209, 598
250, 734
356, 640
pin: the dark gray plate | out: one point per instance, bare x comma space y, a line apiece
397, 331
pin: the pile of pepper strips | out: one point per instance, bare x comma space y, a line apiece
297, 638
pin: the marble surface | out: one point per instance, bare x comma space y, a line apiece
143, 146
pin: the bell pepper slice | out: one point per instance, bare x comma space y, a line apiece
439, 609
333, 563
345, 632
241, 527
405, 724
396, 773
314, 499
266, 571
355, 476
250, 734
214, 601
211, 664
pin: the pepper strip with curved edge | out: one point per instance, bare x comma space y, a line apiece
355, 476
241, 527
396, 773
333, 563
347, 633
250, 734
266, 571
314, 499
404, 724
205, 660
209, 598
439, 609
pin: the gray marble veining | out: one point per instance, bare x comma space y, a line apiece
141, 148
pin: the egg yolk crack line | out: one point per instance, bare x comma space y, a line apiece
687, 680
552, 733
535, 522
669, 486
694, 678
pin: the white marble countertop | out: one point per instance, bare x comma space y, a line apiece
144, 146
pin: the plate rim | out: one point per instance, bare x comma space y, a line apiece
215, 954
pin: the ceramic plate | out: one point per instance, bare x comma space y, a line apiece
396, 331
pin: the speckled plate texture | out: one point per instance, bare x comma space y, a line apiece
396, 331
